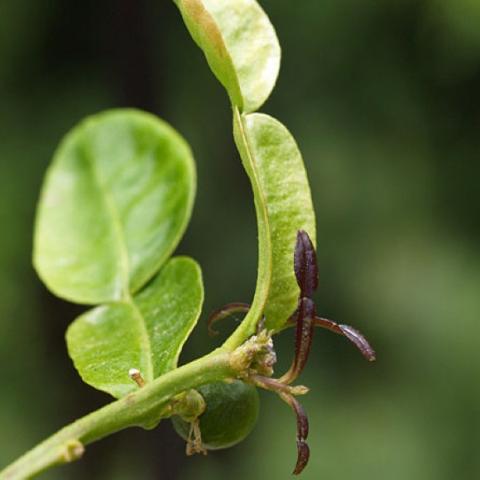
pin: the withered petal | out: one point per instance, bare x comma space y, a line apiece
303, 455
305, 264
360, 342
351, 333
305, 327
303, 451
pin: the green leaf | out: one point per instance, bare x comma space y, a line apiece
283, 204
115, 202
146, 332
240, 45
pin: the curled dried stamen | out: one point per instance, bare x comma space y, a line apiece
303, 451
351, 333
305, 318
224, 312
347, 331
287, 393
359, 341
305, 264
303, 456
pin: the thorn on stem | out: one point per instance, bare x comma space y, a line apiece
136, 376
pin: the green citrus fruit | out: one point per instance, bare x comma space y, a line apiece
230, 415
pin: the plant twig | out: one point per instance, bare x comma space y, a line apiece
144, 408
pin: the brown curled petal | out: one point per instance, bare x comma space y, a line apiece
224, 312
304, 333
351, 333
305, 264
302, 419
360, 342
303, 339
303, 455
303, 452
328, 325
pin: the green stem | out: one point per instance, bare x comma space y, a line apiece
143, 408
264, 275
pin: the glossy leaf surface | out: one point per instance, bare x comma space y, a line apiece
115, 202
284, 206
240, 45
146, 333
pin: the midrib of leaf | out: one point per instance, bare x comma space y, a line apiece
117, 226
264, 275
125, 264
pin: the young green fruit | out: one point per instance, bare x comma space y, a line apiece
230, 415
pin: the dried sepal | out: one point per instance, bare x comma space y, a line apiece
305, 326
224, 312
305, 264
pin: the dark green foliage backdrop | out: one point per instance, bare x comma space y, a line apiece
384, 100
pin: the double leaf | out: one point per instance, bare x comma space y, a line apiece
115, 203
145, 333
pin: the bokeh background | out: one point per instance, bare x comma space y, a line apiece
384, 99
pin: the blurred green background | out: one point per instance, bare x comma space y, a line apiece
384, 99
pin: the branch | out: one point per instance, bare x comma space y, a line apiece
144, 408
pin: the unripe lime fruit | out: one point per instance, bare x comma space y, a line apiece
230, 414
